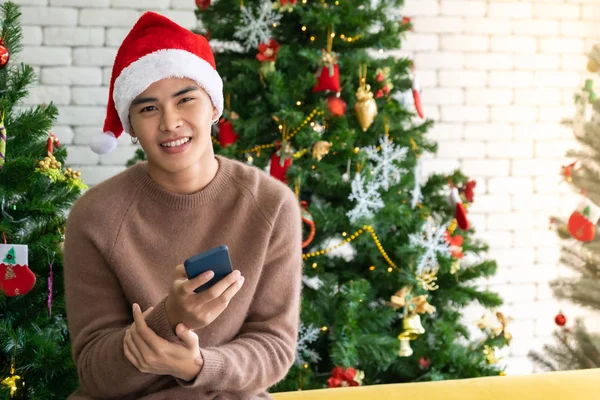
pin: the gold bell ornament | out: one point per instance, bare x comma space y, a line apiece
412, 325
365, 107
405, 349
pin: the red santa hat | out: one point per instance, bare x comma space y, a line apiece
156, 48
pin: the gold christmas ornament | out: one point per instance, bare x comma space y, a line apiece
365, 107
594, 59
405, 349
412, 326
321, 149
490, 354
14, 383
418, 303
72, 174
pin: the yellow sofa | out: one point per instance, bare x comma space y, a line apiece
567, 385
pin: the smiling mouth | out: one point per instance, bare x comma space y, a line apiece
176, 143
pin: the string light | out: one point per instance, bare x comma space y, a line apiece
324, 329
365, 229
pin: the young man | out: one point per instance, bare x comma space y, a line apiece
127, 238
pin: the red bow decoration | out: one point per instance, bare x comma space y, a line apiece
268, 52
455, 243
347, 377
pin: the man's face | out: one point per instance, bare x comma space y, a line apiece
172, 119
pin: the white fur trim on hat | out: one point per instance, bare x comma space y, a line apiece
169, 63
104, 143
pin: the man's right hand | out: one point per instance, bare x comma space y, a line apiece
197, 310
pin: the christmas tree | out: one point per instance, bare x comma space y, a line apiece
35, 192
575, 347
390, 259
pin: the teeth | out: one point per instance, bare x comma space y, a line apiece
176, 143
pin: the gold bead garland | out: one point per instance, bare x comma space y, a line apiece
365, 228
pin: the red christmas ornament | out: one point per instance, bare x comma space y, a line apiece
227, 135
268, 52
286, 2
336, 105
455, 243
51, 142
416, 91
344, 378
406, 21
582, 223
386, 89
460, 213
328, 75
281, 161
469, 190
424, 363
4, 55
380, 77
567, 171
560, 319
379, 94
15, 276
202, 4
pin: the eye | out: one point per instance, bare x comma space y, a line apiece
186, 99
148, 109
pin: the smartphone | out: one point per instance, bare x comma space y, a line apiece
216, 260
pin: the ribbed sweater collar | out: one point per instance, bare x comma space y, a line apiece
139, 174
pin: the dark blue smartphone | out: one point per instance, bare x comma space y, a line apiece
216, 260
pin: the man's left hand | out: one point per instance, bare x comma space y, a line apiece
152, 354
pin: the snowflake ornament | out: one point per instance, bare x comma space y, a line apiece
306, 335
368, 199
345, 251
416, 194
314, 282
434, 242
386, 171
256, 29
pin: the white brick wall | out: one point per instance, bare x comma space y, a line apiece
497, 76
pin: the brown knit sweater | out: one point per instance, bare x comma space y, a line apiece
124, 238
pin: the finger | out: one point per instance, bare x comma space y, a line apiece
148, 311
221, 302
180, 273
144, 337
187, 336
133, 349
190, 285
219, 288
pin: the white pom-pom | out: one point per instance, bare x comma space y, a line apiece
103, 144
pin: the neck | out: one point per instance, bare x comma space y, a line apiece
190, 180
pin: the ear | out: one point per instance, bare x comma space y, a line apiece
131, 131
215, 113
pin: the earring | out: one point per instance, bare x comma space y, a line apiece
134, 140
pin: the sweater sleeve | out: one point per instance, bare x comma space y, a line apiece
265, 348
98, 314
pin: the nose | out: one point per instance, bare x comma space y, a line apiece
170, 120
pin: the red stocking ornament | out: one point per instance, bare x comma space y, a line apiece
416, 91
15, 276
460, 213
